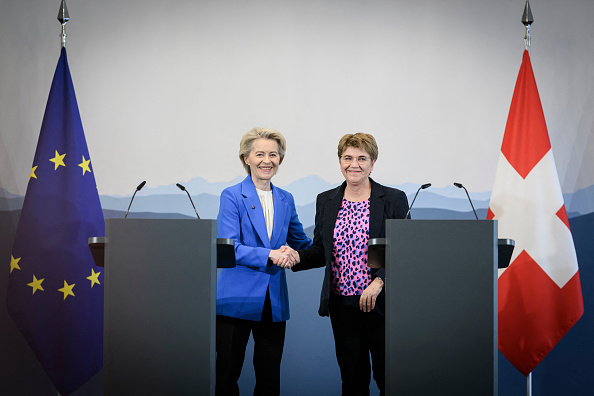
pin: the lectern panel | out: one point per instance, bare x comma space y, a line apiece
441, 307
159, 331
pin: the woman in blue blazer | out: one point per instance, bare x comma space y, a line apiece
253, 297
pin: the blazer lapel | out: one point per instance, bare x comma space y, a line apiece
330, 214
281, 211
376, 211
253, 208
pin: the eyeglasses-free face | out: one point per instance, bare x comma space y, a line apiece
263, 161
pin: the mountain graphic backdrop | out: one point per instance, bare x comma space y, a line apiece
169, 202
433, 203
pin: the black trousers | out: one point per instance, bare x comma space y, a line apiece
358, 334
232, 338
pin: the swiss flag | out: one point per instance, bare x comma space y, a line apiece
540, 295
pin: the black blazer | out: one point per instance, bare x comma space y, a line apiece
384, 203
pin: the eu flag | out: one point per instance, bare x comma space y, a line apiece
55, 291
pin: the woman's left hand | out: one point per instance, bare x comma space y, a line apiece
369, 295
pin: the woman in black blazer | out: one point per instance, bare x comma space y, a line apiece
352, 293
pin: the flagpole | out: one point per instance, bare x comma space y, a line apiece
63, 17
527, 20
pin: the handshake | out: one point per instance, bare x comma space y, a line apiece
285, 257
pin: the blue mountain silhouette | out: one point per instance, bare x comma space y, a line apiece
169, 202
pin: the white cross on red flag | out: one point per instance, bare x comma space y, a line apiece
540, 295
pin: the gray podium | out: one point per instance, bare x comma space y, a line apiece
159, 317
441, 307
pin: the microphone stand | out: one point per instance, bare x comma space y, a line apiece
192, 202
424, 186
459, 185
133, 195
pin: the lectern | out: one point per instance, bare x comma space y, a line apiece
159, 316
441, 307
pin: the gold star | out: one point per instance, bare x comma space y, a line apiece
14, 263
67, 290
58, 160
36, 284
94, 278
85, 165
33, 173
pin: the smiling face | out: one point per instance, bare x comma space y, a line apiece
263, 161
356, 165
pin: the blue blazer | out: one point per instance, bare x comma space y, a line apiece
241, 290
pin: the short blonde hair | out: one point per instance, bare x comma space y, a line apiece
247, 143
363, 141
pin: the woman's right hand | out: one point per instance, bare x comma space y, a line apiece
284, 257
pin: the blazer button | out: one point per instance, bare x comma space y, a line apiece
253, 207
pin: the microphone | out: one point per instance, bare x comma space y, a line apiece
192, 202
459, 185
424, 186
137, 189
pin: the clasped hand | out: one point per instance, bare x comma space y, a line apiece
285, 257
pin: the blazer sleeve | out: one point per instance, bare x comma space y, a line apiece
229, 225
314, 257
296, 237
395, 208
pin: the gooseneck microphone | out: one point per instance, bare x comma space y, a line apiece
137, 189
192, 202
424, 186
459, 185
